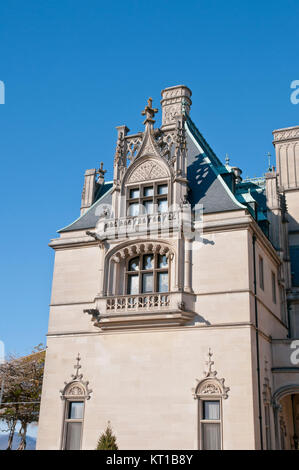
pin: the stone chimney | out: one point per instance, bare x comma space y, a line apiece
89, 188
175, 101
93, 179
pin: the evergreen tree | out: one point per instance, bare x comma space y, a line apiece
107, 440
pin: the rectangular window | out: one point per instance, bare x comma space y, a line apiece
134, 193
73, 436
75, 410
147, 199
162, 189
148, 207
133, 284
147, 282
162, 205
148, 191
261, 272
73, 425
134, 209
273, 287
163, 282
210, 425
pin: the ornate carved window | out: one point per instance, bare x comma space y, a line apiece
75, 393
147, 198
209, 392
147, 273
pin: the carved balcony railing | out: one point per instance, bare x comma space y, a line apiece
140, 302
139, 310
141, 223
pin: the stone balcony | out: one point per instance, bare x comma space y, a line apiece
130, 225
136, 311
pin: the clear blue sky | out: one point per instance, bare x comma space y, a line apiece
74, 70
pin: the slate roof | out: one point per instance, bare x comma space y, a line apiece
207, 186
90, 218
204, 175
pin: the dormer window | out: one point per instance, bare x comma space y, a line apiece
147, 199
147, 273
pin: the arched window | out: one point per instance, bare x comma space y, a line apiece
147, 273
74, 394
209, 394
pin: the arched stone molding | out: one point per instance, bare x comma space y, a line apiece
76, 388
279, 394
136, 249
117, 257
284, 391
210, 385
145, 169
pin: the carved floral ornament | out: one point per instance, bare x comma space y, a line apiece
139, 248
76, 388
152, 142
147, 171
210, 385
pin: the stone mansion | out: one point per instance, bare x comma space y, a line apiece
175, 302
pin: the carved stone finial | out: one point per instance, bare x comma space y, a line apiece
149, 112
269, 161
227, 159
101, 174
210, 363
210, 384
77, 366
76, 387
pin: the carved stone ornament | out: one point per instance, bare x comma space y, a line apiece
137, 248
267, 392
148, 170
210, 384
286, 134
76, 388
152, 142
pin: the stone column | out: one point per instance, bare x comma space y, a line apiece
101, 268
188, 265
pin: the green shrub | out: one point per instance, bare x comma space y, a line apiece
107, 440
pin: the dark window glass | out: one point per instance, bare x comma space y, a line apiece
76, 410
134, 209
147, 282
134, 264
162, 205
148, 207
148, 262
163, 282
211, 410
149, 191
134, 193
163, 189
162, 261
211, 436
73, 436
133, 284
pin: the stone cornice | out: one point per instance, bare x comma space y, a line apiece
286, 134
